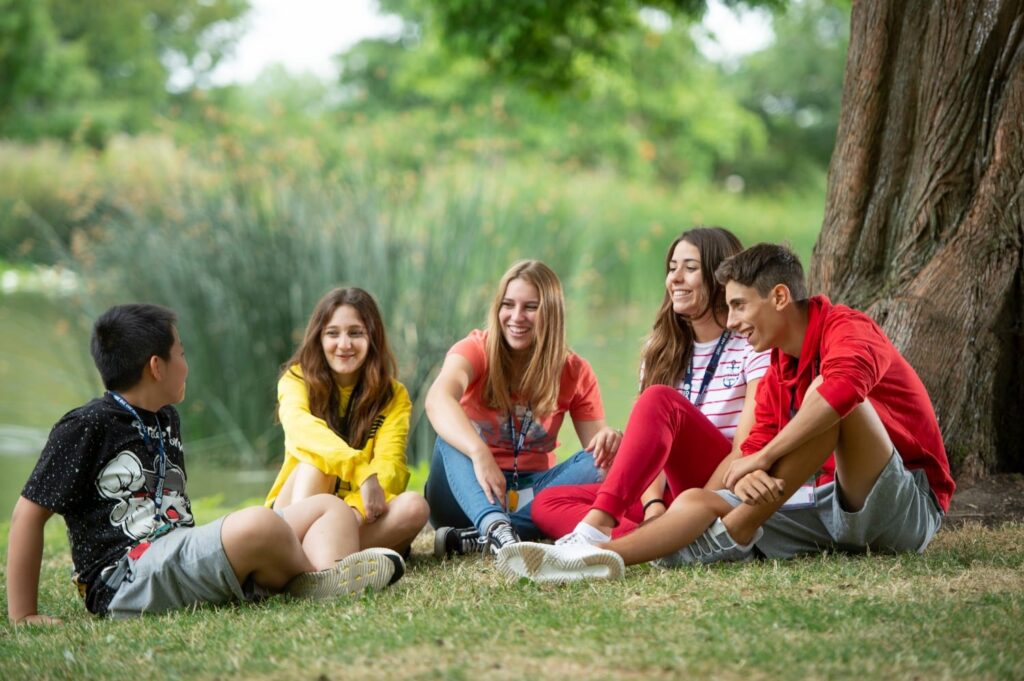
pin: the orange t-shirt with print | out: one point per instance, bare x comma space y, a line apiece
578, 395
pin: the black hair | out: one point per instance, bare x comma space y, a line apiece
124, 339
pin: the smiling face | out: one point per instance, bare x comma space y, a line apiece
345, 343
685, 281
518, 314
759, 319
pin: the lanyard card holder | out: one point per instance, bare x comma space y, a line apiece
518, 498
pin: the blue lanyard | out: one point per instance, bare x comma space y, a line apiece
158, 493
517, 442
709, 373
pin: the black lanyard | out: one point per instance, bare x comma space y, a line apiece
709, 373
158, 493
517, 442
348, 411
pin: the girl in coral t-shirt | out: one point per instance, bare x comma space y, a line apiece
497, 406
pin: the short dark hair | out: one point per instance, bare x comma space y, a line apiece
763, 267
125, 337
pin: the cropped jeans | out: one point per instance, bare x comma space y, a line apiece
457, 500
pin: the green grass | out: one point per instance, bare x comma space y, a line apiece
953, 613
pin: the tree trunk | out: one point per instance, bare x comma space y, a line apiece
925, 210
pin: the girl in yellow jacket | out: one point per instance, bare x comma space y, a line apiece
346, 420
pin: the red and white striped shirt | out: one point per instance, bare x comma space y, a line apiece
738, 365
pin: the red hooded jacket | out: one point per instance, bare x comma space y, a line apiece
856, 361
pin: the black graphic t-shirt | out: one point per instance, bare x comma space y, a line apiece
97, 472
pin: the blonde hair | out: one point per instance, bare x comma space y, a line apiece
538, 385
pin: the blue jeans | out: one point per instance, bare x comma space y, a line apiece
456, 499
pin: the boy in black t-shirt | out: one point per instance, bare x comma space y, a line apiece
115, 470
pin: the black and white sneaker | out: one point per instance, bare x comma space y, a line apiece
458, 541
499, 535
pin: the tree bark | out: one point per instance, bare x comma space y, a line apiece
924, 220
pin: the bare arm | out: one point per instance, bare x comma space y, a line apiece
24, 558
446, 414
815, 416
454, 427
743, 426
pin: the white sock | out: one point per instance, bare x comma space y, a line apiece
592, 533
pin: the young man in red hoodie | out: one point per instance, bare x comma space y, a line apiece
836, 385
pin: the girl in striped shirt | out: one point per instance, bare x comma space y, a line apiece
695, 407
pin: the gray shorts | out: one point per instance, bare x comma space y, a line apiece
899, 515
185, 567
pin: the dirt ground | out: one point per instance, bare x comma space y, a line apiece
991, 501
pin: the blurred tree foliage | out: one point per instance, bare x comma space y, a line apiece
617, 86
82, 70
549, 44
604, 84
795, 85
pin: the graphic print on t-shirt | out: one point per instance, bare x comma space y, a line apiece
498, 434
125, 481
730, 373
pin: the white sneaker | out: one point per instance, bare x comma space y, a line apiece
373, 568
584, 534
559, 563
574, 538
713, 546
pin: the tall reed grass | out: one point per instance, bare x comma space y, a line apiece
242, 242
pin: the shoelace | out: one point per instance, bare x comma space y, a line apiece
706, 544
504, 534
572, 539
472, 542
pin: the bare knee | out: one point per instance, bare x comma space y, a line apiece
309, 481
327, 503
693, 495
700, 498
411, 510
255, 530
329, 506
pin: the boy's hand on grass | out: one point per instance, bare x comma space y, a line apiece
373, 499
758, 487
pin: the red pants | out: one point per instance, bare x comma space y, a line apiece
665, 432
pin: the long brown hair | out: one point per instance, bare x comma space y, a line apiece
373, 388
669, 348
539, 383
